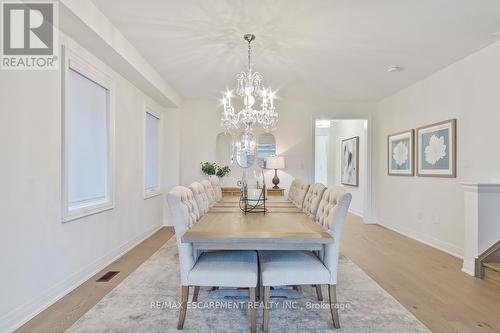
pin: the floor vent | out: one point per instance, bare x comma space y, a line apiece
108, 276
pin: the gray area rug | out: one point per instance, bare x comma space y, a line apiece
147, 301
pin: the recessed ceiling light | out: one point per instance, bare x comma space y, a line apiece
391, 69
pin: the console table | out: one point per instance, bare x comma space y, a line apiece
230, 191
276, 191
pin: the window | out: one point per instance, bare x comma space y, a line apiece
87, 140
152, 153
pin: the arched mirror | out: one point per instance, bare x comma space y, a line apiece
223, 148
245, 150
245, 159
265, 148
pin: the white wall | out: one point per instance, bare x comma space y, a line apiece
294, 135
431, 209
42, 258
488, 217
171, 159
323, 162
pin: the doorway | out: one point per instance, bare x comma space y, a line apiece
340, 157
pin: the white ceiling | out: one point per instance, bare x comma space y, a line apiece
328, 49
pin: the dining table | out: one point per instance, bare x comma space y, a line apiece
282, 227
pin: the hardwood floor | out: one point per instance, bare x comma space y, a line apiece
426, 281
61, 315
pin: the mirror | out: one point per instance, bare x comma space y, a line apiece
245, 150
245, 159
265, 148
223, 149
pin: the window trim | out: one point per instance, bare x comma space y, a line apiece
72, 60
156, 191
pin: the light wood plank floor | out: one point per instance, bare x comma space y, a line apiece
426, 281
62, 314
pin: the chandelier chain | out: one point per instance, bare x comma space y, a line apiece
249, 50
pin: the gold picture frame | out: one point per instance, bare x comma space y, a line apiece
407, 167
440, 140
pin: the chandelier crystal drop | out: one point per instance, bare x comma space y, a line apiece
250, 89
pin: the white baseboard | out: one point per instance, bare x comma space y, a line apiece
356, 212
427, 240
469, 267
22, 314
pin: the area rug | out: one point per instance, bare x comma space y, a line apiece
147, 301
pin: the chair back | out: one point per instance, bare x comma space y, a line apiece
312, 199
209, 190
216, 186
184, 211
200, 196
297, 192
332, 214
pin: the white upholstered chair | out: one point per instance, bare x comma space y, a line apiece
280, 268
236, 269
297, 192
312, 199
200, 196
216, 186
209, 190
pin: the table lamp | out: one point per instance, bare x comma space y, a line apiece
275, 162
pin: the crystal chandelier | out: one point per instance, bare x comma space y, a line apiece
249, 89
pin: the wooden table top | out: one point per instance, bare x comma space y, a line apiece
283, 227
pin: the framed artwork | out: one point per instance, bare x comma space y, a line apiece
350, 161
400, 153
437, 149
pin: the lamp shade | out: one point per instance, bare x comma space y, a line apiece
275, 162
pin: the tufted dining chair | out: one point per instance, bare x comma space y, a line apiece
279, 268
235, 269
216, 186
297, 192
200, 196
312, 199
209, 190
